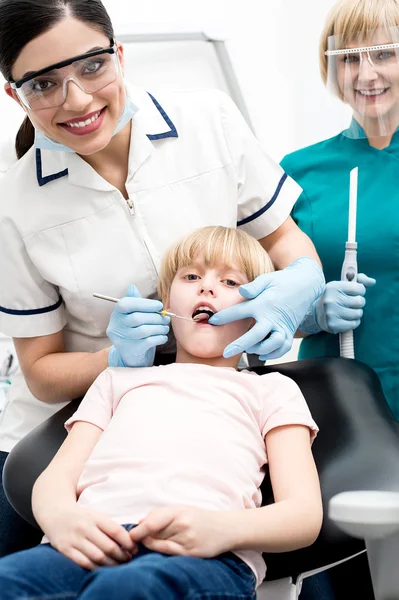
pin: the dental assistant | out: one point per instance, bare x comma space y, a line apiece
359, 59
109, 175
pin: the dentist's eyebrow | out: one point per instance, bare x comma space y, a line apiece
29, 73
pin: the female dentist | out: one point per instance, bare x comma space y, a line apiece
359, 58
108, 177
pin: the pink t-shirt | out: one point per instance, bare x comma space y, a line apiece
183, 434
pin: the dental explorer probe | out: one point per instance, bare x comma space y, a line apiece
164, 313
349, 267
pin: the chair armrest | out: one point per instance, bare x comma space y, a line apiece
366, 514
28, 459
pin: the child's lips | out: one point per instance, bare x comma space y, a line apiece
202, 312
204, 304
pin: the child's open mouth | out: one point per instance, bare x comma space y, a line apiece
202, 314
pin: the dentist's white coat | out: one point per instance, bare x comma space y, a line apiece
66, 232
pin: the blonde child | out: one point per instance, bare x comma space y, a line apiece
150, 495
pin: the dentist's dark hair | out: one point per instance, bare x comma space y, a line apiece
21, 21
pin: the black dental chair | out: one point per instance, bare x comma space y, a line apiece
357, 449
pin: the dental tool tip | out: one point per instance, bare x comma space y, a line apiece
164, 313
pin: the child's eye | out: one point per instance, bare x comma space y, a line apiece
191, 277
230, 282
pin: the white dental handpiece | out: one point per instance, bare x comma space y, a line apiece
349, 267
164, 313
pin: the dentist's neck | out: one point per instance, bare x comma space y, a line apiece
380, 142
115, 154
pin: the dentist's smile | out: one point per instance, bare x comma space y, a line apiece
85, 124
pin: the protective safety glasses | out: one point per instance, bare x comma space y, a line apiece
48, 87
363, 71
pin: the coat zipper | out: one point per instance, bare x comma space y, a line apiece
130, 204
132, 211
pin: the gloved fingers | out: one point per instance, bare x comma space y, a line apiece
350, 288
275, 352
144, 355
137, 319
345, 326
233, 313
286, 347
273, 342
345, 302
345, 314
351, 314
130, 304
249, 339
144, 331
154, 340
257, 286
133, 291
352, 325
366, 281
133, 301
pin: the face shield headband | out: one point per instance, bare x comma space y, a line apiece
366, 77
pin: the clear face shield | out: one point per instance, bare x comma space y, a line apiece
363, 71
49, 87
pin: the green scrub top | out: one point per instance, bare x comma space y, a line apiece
322, 170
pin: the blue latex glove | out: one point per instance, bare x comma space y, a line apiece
278, 302
339, 308
135, 329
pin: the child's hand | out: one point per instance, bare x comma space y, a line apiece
89, 538
185, 530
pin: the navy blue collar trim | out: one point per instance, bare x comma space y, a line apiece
34, 311
171, 133
267, 206
39, 173
156, 136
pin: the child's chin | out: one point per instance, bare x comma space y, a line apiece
203, 351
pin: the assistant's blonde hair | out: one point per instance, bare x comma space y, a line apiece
217, 246
355, 18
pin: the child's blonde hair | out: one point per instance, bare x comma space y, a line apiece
354, 19
217, 246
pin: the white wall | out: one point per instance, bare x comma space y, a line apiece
274, 47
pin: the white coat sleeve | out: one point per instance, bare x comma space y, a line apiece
29, 305
266, 194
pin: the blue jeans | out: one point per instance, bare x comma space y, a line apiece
15, 533
317, 587
43, 573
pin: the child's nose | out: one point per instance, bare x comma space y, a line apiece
207, 286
